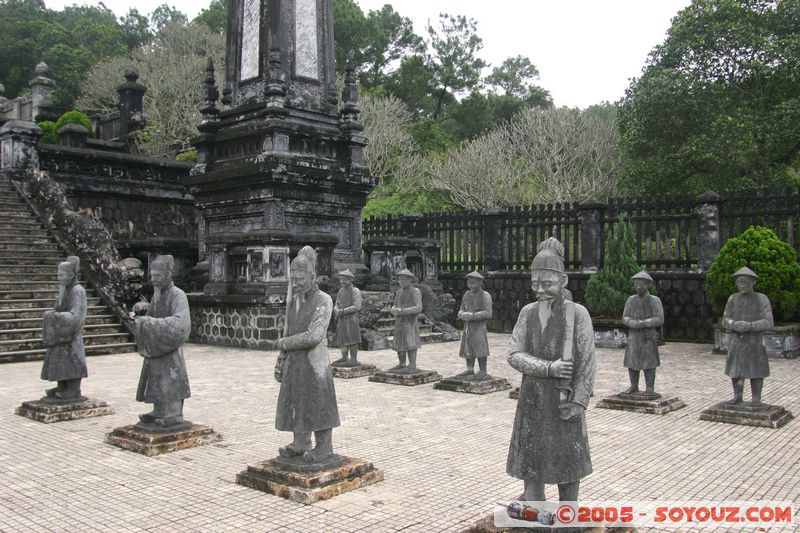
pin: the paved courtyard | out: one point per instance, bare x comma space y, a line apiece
443, 453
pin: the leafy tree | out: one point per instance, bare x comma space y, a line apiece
772, 259
392, 37
718, 103
514, 77
609, 289
215, 16
136, 28
351, 34
172, 67
166, 15
452, 58
412, 83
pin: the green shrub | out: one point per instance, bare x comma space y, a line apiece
74, 117
49, 132
188, 155
609, 289
773, 260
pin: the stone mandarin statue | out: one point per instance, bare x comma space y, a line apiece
407, 306
307, 397
160, 336
475, 311
62, 333
348, 334
747, 315
643, 315
552, 345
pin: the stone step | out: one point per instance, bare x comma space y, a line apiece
31, 259
49, 276
13, 216
36, 322
34, 246
17, 234
11, 206
30, 294
50, 269
33, 313
27, 284
26, 334
18, 252
38, 354
88, 340
34, 303
21, 228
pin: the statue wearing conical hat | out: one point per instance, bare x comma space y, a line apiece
407, 306
62, 333
160, 336
475, 312
552, 345
643, 315
348, 334
747, 315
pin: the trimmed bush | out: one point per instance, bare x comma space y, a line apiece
609, 289
773, 260
49, 132
188, 155
74, 117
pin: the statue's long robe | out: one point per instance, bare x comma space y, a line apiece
406, 330
348, 302
747, 357
474, 342
307, 397
544, 447
62, 333
641, 353
160, 337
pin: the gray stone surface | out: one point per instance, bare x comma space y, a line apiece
251, 39
306, 46
642, 403
49, 412
411, 433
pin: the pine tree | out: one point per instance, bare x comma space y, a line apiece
609, 289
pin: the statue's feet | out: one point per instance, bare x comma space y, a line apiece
481, 376
734, 401
340, 361
63, 395
290, 450
468, 372
398, 367
317, 454
51, 393
168, 421
148, 418
633, 389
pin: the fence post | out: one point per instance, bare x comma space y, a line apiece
131, 98
493, 238
708, 229
590, 215
410, 226
18, 145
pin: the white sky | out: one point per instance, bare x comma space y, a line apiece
586, 50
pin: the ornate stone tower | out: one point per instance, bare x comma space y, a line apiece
279, 165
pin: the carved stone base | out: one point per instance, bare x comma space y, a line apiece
149, 444
394, 377
59, 411
642, 403
309, 487
767, 416
514, 394
349, 372
472, 386
486, 525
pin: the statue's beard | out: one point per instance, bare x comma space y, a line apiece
62, 290
156, 293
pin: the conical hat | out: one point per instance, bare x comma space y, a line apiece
744, 271
163, 262
475, 275
643, 275
406, 272
346, 274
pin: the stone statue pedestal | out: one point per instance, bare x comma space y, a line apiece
514, 394
404, 377
641, 402
308, 483
486, 525
52, 410
744, 414
349, 371
473, 386
151, 443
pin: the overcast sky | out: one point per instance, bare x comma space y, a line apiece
586, 50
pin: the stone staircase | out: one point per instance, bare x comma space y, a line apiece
386, 323
29, 259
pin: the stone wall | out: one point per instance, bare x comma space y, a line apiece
687, 312
245, 323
